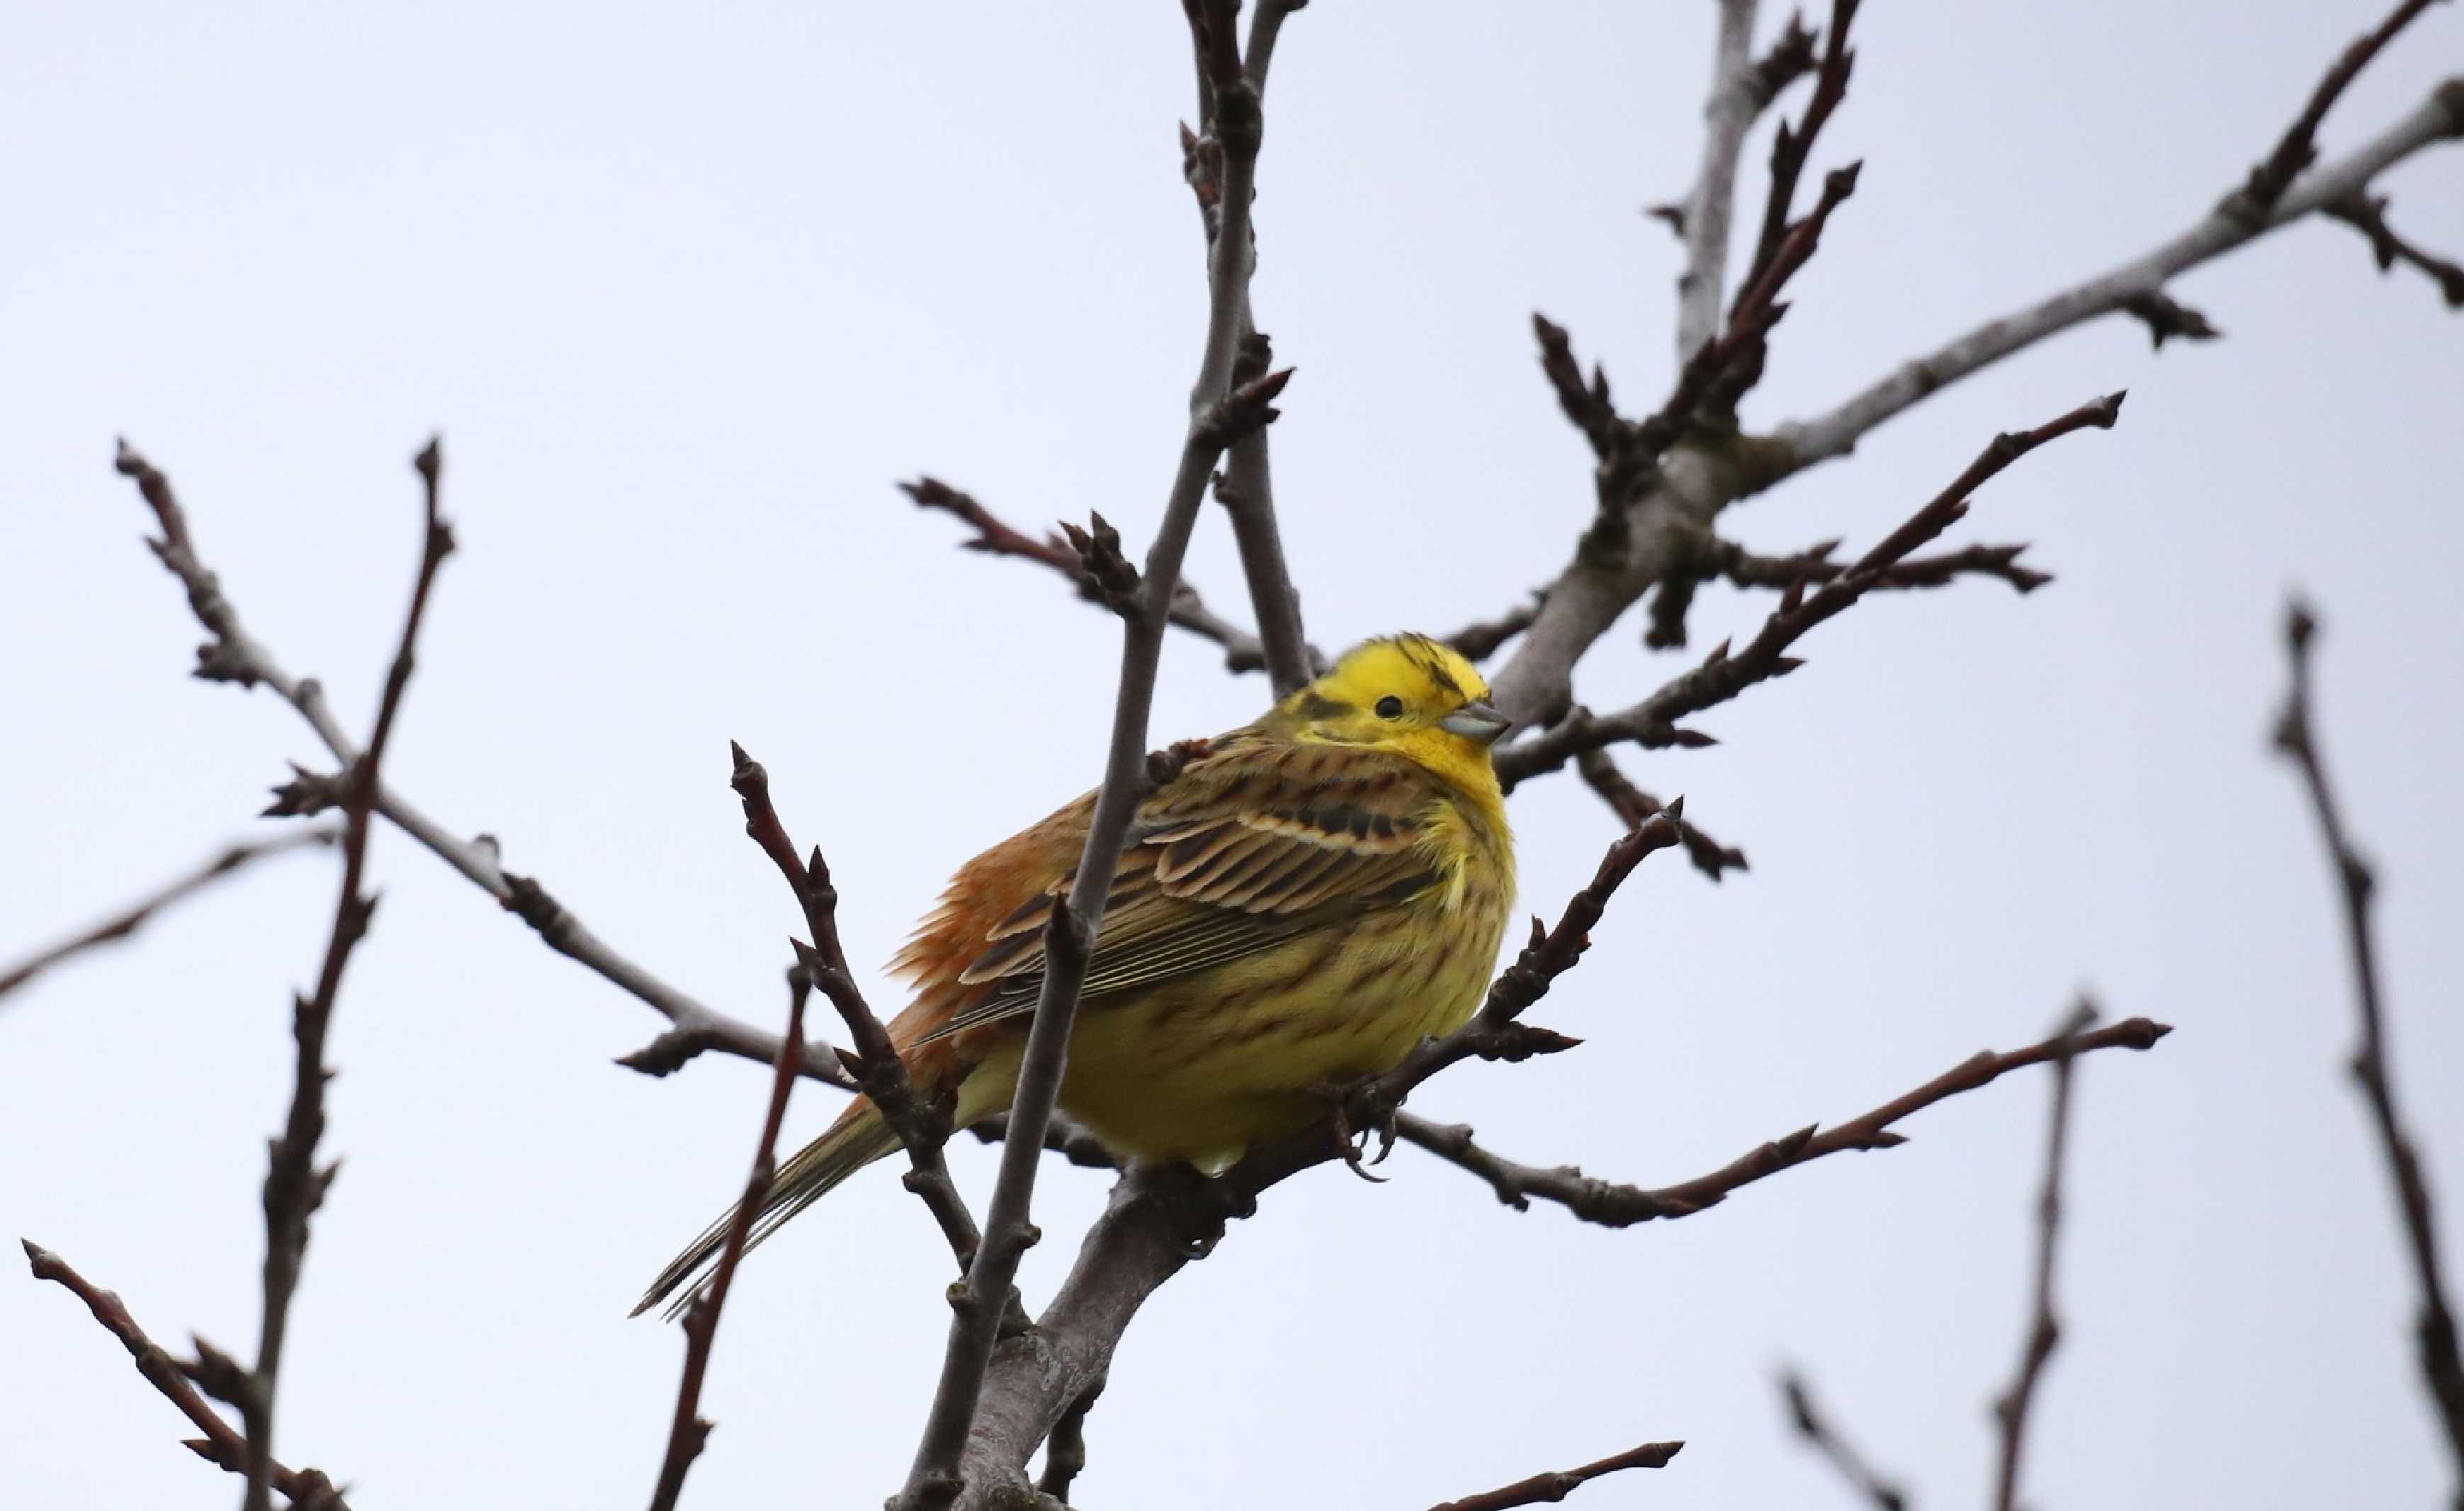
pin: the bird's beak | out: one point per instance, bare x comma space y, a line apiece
1477, 722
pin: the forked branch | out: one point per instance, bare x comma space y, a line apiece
233, 655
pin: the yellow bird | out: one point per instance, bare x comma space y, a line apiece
1304, 902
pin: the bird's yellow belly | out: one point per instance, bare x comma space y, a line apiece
1200, 1068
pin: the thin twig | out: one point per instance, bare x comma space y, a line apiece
1496, 1031
1611, 1204
1747, 569
1634, 806
2298, 148
1722, 676
922, 1123
1220, 411
232, 655
689, 1431
294, 1188
1793, 146
2366, 214
2044, 1330
1817, 1430
222, 1445
120, 925
1554, 1485
2442, 1369
1242, 651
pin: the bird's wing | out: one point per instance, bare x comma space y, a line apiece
1240, 853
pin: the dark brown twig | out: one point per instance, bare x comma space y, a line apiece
1242, 651
1746, 569
1786, 61
2044, 1330
2442, 1369
1220, 411
1792, 144
1634, 806
1556, 1485
2298, 147
921, 1125
689, 1431
120, 925
294, 1188
1722, 676
2366, 214
1611, 1204
222, 1445
233, 655
1811, 1426
1496, 1031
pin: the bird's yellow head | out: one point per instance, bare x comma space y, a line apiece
1410, 694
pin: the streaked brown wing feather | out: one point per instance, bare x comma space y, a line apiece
1246, 851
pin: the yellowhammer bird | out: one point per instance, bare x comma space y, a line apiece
1303, 904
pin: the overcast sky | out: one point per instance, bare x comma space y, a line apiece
686, 295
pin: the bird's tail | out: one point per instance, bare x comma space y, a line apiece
857, 1139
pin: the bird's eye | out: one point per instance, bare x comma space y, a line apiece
1390, 707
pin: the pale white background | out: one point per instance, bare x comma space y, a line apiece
687, 296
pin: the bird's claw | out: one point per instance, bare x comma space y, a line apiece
1352, 1143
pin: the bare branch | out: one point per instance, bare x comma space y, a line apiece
1736, 96
1814, 1429
1243, 651
294, 1188
1556, 1485
232, 655
2442, 1370
690, 1432
120, 925
922, 1123
1634, 806
1245, 488
1614, 1205
2366, 214
1833, 434
2044, 1330
1711, 468
2298, 147
1722, 676
1746, 569
1220, 412
222, 1446
1793, 146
